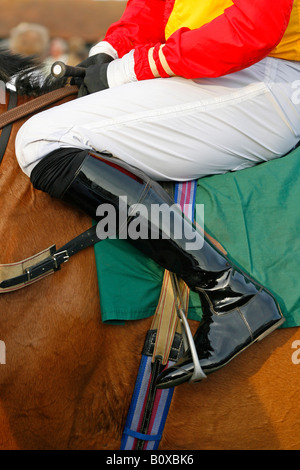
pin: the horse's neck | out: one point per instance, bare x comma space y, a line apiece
25, 212
10, 172
4, 106
9, 169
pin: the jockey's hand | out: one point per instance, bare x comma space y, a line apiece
96, 74
96, 77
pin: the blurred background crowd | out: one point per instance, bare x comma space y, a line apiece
33, 39
57, 29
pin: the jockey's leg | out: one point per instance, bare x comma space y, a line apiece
236, 310
177, 129
174, 129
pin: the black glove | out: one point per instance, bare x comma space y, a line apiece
96, 74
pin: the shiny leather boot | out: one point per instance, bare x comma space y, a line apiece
226, 332
237, 311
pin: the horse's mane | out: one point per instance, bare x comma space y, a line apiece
30, 77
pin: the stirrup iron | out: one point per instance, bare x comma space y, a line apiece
188, 340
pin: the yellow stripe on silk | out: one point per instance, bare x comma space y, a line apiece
193, 15
289, 46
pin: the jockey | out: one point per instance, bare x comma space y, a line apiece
178, 90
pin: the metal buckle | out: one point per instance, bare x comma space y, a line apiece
65, 256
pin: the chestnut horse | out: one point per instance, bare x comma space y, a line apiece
68, 378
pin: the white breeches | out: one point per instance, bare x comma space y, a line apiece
178, 129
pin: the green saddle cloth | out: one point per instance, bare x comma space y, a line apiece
254, 214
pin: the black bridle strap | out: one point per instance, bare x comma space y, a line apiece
5, 134
51, 262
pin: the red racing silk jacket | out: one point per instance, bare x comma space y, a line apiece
205, 38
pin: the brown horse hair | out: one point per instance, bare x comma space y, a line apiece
68, 378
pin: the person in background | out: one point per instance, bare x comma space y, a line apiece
59, 50
30, 39
178, 90
78, 50
69, 51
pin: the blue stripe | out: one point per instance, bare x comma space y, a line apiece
143, 437
135, 399
194, 189
176, 192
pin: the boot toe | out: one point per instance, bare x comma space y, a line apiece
174, 375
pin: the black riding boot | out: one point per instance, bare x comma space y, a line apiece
237, 311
